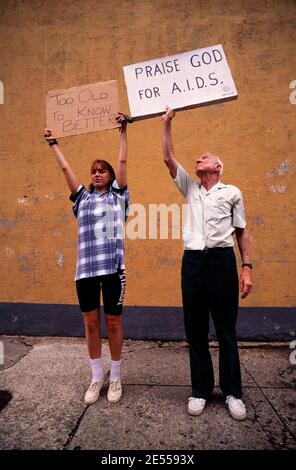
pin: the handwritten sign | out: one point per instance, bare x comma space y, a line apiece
182, 80
82, 109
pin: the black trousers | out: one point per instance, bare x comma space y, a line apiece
210, 285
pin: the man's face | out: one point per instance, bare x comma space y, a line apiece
206, 163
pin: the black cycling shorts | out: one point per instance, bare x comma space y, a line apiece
113, 290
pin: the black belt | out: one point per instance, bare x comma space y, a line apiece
212, 250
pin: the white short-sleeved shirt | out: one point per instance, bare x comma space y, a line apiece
211, 216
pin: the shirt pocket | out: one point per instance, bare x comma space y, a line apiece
222, 207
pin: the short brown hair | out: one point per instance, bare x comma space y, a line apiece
104, 164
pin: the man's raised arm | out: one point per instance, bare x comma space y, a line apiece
167, 143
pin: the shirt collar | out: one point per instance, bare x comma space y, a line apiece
102, 194
214, 188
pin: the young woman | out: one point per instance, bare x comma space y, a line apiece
101, 212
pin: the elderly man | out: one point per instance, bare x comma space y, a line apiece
209, 275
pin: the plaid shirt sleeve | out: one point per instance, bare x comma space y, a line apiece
77, 197
123, 193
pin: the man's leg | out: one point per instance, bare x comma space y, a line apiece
196, 320
223, 291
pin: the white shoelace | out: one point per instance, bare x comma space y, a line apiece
94, 385
115, 385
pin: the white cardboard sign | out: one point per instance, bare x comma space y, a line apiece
179, 81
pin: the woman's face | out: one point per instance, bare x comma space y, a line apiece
100, 177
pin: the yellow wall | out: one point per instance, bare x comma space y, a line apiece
58, 44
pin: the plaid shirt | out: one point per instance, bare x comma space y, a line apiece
101, 220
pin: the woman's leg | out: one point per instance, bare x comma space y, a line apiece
113, 289
94, 345
92, 333
115, 338
88, 291
115, 335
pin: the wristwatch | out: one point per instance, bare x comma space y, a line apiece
249, 265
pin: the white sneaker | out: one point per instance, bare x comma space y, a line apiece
236, 408
115, 391
196, 405
93, 392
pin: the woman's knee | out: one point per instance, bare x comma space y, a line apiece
113, 324
91, 322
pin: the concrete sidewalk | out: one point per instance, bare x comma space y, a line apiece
47, 378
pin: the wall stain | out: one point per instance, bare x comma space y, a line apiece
9, 251
281, 170
167, 261
60, 258
23, 200
20, 218
6, 223
49, 196
24, 268
264, 61
278, 188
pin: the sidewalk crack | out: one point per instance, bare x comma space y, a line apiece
263, 427
74, 430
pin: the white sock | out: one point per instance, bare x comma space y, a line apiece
115, 369
97, 369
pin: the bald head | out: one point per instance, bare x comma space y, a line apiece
208, 163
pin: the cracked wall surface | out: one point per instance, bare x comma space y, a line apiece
47, 46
